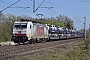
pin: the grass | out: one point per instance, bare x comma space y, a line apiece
71, 52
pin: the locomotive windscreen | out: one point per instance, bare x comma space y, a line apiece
20, 25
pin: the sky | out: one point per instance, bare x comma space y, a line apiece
74, 9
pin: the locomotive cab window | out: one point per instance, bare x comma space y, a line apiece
23, 25
30, 26
20, 25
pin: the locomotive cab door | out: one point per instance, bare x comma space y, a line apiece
30, 29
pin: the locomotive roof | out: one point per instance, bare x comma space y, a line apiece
29, 22
26, 20
20, 22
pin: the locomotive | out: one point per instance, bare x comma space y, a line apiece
29, 31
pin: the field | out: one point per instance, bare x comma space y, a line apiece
75, 51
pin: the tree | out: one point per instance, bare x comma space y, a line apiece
66, 20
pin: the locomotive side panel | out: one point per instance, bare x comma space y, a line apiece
29, 30
40, 31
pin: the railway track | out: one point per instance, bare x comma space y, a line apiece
9, 52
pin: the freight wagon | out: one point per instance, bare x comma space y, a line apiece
56, 32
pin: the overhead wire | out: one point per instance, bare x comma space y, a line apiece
43, 9
62, 10
39, 6
58, 7
20, 7
10, 6
48, 8
52, 10
32, 4
14, 5
27, 4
